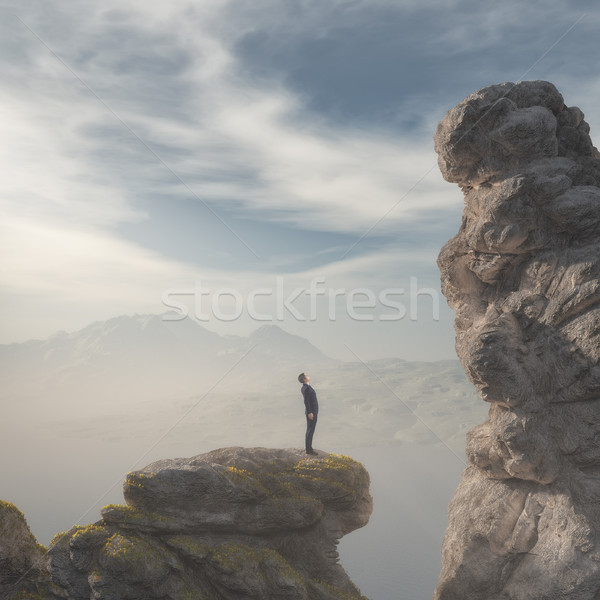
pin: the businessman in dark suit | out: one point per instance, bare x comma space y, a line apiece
311, 409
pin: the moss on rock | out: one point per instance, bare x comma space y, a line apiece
253, 523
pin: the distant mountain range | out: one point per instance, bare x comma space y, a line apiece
149, 356
131, 374
140, 339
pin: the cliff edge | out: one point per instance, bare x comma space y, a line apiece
229, 524
523, 275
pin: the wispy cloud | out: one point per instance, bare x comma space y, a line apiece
235, 143
250, 143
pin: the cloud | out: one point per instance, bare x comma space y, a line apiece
81, 165
183, 112
236, 144
90, 265
54, 276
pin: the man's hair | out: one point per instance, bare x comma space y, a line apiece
302, 378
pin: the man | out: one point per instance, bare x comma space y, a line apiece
311, 409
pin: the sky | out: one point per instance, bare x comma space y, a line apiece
219, 157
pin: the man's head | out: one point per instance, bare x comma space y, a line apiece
303, 378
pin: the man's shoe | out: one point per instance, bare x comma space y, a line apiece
312, 452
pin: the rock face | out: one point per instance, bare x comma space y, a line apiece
523, 275
235, 523
23, 572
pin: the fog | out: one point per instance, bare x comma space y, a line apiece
58, 482
77, 420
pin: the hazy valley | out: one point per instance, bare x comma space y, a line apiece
138, 376
82, 409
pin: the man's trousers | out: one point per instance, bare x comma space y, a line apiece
310, 430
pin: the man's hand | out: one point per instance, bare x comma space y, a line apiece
311, 416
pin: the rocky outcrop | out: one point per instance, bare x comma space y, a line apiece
523, 275
23, 573
235, 523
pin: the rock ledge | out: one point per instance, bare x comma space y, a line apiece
229, 524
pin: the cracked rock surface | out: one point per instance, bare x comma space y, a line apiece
523, 275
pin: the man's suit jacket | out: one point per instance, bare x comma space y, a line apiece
310, 399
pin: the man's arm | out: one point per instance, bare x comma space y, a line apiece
308, 393
312, 404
